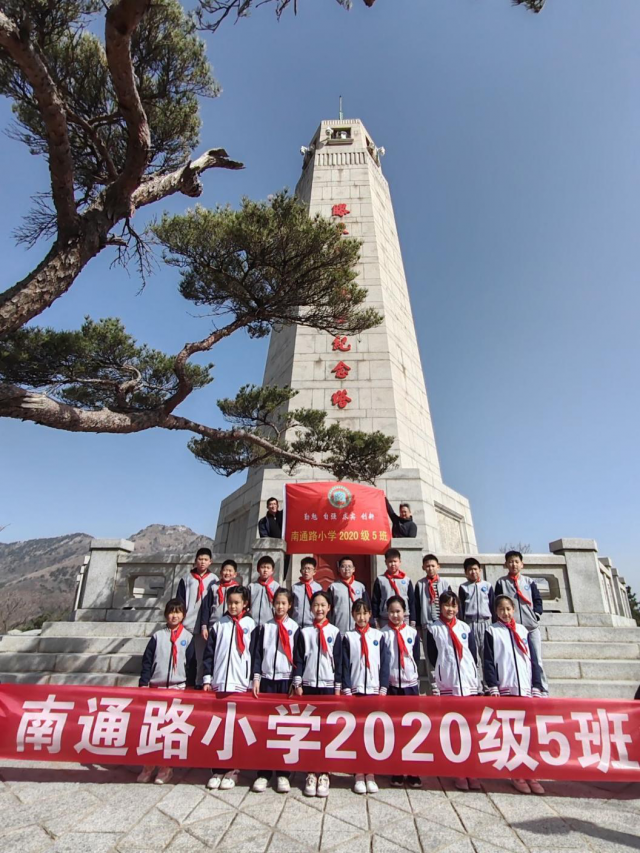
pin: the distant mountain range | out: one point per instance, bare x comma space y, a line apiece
38, 576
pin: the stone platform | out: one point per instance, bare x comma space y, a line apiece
69, 808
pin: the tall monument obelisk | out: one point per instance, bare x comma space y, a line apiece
373, 381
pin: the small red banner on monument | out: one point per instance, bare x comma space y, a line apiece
334, 518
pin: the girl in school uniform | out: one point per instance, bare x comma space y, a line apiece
365, 670
273, 669
404, 657
318, 670
228, 662
452, 653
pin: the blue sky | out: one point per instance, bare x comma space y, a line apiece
512, 154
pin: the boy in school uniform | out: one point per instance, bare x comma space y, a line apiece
528, 602
476, 608
262, 591
215, 602
192, 591
344, 591
303, 591
169, 661
392, 582
428, 592
511, 666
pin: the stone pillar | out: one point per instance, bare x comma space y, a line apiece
275, 548
98, 588
583, 574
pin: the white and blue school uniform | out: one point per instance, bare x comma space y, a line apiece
260, 600
382, 592
187, 592
509, 671
226, 668
454, 676
427, 612
527, 614
477, 610
213, 609
301, 611
358, 678
158, 669
341, 603
318, 671
403, 671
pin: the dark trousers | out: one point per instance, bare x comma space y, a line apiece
317, 691
403, 691
268, 685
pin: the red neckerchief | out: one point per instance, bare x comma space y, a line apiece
174, 637
200, 578
512, 627
391, 578
457, 645
433, 589
222, 585
239, 632
320, 626
349, 586
402, 646
265, 584
283, 637
364, 648
308, 588
521, 595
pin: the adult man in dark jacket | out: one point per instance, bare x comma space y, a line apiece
271, 524
402, 526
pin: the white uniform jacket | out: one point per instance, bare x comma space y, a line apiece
259, 604
454, 676
403, 673
301, 612
356, 676
225, 668
270, 661
312, 666
508, 671
341, 604
188, 593
382, 592
428, 611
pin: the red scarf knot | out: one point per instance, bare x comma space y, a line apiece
239, 632
403, 651
225, 585
200, 578
349, 585
265, 584
457, 645
392, 577
174, 637
320, 626
308, 588
364, 647
284, 638
521, 595
433, 587
514, 632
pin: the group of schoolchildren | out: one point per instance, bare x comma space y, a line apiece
229, 638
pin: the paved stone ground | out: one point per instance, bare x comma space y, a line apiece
68, 808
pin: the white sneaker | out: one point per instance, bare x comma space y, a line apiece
372, 785
214, 781
360, 786
229, 780
323, 786
283, 786
164, 775
260, 785
147, 773
311, 786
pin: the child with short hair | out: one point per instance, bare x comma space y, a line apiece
215, 602
344, 591
404, 658
317, 670
452, 654
303, 592
511, 666
476, 608
262, 591
228, 661
365, 670
392, 582
428, 592
169, 661
273, 669
192, 591
528, 602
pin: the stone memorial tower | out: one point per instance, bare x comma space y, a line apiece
373, 381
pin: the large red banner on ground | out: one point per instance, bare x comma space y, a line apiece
480, 737
335, 518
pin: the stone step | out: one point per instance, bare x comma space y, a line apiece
568, 634
592, 689
70, 663
589, 651
106, 679
99, 629
625, 670
73, 645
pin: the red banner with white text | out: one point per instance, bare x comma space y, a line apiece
335, 518
579, 739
